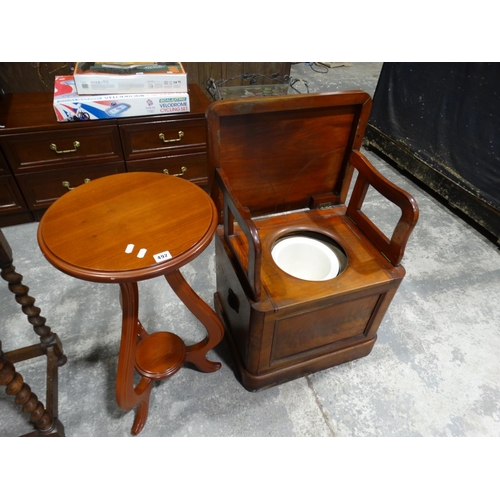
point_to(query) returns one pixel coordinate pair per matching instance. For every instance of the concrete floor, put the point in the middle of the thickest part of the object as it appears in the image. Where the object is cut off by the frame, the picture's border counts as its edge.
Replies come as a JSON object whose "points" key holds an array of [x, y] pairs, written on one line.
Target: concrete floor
{"points": [[434, 370]]}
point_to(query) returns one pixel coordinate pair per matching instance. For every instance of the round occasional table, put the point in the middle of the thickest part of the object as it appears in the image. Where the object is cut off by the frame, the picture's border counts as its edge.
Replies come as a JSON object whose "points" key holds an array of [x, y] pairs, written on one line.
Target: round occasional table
{"points": [[129, 227]]}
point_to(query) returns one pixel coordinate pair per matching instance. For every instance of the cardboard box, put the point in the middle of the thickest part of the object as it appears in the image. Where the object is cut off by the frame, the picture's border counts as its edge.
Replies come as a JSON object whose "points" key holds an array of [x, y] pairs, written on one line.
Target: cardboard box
{"points": [[70, 106], [129, 78]]}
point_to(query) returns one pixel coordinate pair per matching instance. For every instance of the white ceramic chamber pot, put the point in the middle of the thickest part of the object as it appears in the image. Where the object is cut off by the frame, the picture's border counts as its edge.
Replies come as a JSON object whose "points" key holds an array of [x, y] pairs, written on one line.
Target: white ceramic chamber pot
{"points": [[306, 258]]}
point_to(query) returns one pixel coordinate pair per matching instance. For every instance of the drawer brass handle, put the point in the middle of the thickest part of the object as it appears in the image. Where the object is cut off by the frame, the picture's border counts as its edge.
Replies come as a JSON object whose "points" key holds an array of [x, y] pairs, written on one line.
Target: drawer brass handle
{"points": [[76, 145], [162, 137], [67, 185], [183, 171]]}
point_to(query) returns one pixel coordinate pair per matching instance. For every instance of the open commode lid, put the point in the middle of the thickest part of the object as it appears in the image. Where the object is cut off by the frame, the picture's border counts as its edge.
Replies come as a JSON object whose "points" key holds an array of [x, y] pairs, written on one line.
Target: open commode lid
{"points": [[306, 258]]}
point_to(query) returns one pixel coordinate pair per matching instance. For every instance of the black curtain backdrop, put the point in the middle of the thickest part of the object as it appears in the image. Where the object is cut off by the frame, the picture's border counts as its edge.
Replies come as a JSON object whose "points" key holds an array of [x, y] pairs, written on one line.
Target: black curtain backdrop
{"points": [[448, 116]]}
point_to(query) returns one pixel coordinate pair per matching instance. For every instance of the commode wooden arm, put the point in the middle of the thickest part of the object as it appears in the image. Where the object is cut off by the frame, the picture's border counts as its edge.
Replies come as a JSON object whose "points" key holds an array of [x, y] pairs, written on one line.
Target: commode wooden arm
{"points": [[393, 249], [233, 210]]}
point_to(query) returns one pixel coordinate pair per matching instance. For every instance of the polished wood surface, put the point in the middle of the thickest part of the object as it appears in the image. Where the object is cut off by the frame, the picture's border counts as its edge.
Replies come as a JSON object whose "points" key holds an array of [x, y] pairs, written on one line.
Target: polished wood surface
{"points": [[131, 227], [33, 173], [291, 154], [392, 248], [44, 417], [32, 152], [86, 232], [191, 166], [34, 111], [283, 166], [13, 208], [12, 205]]}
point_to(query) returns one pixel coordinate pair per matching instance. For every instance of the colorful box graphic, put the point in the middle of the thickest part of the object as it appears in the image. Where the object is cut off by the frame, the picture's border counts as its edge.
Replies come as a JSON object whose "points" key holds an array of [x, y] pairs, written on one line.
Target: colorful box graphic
{"points": [[129, 78], [71, 106]]}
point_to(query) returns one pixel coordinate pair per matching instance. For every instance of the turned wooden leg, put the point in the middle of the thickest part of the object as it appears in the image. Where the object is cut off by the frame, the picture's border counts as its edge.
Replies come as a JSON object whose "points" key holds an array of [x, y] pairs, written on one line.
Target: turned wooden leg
{"points": [[196, 353], [41, 417], [50, 346], [48, 338], [128, 396]]}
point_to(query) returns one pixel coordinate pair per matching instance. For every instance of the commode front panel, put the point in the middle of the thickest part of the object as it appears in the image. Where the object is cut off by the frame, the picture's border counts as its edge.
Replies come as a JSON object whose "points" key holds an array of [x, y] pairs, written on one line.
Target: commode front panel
{"points": [[324, 330]]}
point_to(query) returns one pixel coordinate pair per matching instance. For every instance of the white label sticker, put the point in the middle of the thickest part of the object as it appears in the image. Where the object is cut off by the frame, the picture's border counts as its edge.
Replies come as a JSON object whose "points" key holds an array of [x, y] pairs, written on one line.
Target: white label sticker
{"points": [[142, 253], [130, 248], [160, 257]]}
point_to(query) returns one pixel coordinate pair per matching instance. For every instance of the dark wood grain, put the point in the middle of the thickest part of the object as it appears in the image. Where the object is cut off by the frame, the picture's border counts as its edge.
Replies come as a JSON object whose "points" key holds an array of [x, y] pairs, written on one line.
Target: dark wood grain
{"points": [[44, 417], [32, 173], [283, 166], [25, 77], [112, 230]]}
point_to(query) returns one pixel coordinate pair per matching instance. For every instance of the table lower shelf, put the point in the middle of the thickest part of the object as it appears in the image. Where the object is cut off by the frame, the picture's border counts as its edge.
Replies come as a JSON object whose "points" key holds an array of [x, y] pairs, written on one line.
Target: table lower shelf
{"points": [[160, 355]]}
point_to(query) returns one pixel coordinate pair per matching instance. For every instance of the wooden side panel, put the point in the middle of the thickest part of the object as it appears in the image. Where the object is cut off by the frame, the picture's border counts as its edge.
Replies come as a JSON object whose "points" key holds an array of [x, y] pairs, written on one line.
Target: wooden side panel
{"points": [[280, 153], [31, 77], [326, 327], [236, 308], [274, 167]]}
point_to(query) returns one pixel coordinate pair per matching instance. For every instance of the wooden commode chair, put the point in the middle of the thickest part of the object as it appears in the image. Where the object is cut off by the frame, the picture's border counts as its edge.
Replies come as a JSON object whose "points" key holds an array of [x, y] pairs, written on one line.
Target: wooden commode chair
{"points": [[303, 281]]}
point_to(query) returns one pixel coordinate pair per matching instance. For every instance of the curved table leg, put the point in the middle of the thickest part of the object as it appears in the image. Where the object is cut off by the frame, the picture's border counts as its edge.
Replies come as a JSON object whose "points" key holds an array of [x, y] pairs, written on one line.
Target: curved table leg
{"points": [[196, 353], [128, 396]]}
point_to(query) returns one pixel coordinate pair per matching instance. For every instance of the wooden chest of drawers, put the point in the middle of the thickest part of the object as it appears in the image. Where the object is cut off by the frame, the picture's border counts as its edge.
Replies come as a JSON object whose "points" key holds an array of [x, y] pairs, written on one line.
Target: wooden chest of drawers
{"points": [[176, 147], [13, 208], [41, 159]]}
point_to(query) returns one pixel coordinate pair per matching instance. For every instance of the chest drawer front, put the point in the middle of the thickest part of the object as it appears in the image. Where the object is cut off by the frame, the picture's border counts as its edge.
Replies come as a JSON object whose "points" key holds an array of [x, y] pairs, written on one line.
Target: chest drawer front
{"points": [[160, 138], [192, 167], [62, 147], [41, 189], [4, 169], [11, 199]]}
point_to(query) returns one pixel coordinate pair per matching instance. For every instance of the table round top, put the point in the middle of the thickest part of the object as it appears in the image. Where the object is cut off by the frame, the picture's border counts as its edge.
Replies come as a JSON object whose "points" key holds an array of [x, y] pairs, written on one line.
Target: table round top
{"points": [[127, 227]]}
